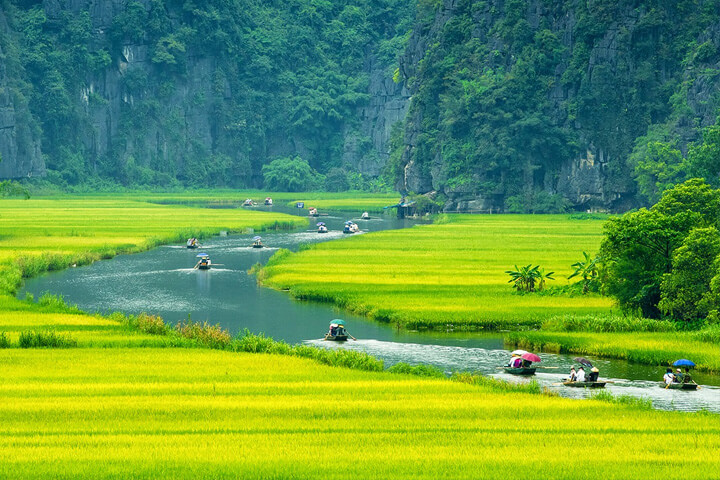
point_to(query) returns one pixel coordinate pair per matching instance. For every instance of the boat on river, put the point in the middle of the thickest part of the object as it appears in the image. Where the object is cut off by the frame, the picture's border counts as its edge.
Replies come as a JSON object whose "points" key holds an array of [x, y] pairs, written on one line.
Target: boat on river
{"points": [[257, 242], [365, 216], [192, 243], [680, 386], [204, 263], [322, 228], [570, 383], [268, 201], [313, 212], [336, 338], [520, 370]]}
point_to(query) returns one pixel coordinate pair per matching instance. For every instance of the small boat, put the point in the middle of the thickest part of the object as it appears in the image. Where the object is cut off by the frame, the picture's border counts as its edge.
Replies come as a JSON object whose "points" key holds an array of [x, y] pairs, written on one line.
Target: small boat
{"points": [[322, 228], [521, 370], [365, 216], [569, 383], [192, 243], [248, 203], [268, 201], [680, 386], [204, 263], [351, 227], [336, 338], [313, 212], [257, 242]]}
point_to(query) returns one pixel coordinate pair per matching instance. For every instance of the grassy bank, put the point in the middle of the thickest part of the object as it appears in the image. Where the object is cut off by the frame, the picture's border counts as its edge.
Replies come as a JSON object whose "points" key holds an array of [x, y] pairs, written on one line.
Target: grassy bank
{"points": [[178, 413], [450, 273]]}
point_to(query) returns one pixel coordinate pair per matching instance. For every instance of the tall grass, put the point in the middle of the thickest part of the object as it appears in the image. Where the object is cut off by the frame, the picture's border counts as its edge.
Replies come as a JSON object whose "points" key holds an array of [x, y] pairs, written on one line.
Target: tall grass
{"points": [[32, 339], [606, 323]]}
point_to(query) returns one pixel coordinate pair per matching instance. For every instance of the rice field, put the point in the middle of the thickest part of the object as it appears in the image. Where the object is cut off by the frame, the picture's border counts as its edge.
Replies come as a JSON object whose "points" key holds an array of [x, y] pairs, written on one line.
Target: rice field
{"points": [[449, 274], [176, 413]]}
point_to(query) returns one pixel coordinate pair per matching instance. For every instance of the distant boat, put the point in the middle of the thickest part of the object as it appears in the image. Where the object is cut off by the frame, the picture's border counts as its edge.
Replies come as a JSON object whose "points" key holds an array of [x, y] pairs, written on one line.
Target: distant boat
{"points": [[257, 242], [322, 228], [192, 243], [268, 201], [365, 216], [313, 212], [248, 203], [521, 370]]}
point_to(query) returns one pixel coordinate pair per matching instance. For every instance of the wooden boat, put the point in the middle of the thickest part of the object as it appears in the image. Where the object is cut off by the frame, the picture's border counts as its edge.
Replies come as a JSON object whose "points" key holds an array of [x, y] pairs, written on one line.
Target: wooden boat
{"points": [[569, 383], [257, 245], [204, 264], [336, 338], [194, 245], [521, 370], [680, 386]]}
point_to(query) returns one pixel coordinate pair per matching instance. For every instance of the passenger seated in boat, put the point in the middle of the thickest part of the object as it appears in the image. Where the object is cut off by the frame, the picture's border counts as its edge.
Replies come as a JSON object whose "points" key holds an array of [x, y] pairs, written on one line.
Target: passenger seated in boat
{"points": [[593, 376], [526, 363], [333, 329], [516, 362], [573, 374], [580, 377], [686, 376], [668, 378], [678, 376]]}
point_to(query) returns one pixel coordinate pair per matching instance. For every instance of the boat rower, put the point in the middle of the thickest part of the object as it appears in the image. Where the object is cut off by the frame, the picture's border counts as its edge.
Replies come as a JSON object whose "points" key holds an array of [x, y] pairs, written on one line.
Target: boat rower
{"points": [[594, 374]]}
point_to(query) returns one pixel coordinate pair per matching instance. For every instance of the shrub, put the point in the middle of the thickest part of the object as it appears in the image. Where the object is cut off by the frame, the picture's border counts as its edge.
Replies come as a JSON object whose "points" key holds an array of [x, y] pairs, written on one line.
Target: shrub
{"points": [[31, 339], [4, 340], [212, 336], [152, 324]]}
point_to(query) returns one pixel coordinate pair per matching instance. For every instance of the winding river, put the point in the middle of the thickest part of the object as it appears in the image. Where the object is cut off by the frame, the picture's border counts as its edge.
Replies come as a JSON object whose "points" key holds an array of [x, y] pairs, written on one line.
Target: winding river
{"points": [[163, 281]]}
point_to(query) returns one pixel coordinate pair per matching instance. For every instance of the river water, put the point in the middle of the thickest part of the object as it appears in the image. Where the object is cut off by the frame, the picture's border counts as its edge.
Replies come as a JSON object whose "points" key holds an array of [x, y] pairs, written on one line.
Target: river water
{"points": [[163, 281]]}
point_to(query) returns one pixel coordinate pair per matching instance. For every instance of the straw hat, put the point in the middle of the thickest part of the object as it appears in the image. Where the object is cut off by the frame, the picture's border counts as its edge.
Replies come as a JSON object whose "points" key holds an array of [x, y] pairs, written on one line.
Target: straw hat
{"points": [[594, 369]]}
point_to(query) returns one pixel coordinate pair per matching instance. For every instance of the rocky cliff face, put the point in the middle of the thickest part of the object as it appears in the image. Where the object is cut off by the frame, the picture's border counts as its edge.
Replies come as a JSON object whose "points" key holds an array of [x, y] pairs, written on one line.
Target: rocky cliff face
{"points": [[19, 140], [606, 75], [142, 121]]}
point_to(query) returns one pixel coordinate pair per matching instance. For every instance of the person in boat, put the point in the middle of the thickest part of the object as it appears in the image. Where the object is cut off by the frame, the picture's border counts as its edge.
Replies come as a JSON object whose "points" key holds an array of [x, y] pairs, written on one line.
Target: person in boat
{"points": [[580, 377], [333, 329], [526, 363], [668, 378], [686, 376], [573, 374], [594, 374], [678, 376], [516, 362]]}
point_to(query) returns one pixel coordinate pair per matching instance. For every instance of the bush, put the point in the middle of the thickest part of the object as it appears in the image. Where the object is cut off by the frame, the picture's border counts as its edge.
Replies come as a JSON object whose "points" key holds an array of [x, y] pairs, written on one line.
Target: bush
{"points": [[290, 175], [4, 340], [152, 324], [31, 339], [212, 336]]}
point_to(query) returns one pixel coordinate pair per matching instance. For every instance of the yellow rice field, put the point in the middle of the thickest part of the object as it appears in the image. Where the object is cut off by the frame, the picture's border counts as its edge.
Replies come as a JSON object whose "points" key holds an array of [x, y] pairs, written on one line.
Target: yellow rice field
{"points": [[176, 413]]}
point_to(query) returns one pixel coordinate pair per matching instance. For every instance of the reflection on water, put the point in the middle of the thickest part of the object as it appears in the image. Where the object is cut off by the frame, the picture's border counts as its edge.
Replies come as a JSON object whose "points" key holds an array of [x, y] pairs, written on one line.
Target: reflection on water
{"points": [[163, 281]]}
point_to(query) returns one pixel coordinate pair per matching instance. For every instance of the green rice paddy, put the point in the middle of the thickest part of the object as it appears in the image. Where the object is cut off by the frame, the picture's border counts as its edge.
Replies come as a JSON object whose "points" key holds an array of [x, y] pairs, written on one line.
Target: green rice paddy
{"points": [[125, 404], [177, 413], [446, 275]]}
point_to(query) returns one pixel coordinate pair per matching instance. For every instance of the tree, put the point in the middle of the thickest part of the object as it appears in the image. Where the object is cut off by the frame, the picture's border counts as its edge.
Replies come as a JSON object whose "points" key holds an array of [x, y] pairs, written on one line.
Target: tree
{"points": [[586, 269], [638, 247], [529, 278], [685, 291], [290, 175]]}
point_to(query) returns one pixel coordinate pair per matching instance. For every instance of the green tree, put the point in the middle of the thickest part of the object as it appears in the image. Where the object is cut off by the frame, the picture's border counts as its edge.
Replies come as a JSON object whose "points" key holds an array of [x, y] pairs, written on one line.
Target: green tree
{"points": [[637, 248], [685, 291], [290, 175], [660, 167], [587, 269]]}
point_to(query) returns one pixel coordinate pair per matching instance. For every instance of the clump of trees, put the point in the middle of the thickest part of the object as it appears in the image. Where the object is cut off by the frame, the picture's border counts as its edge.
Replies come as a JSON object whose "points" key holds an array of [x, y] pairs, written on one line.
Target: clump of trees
{"points": [[528, 278], [665, 261]]}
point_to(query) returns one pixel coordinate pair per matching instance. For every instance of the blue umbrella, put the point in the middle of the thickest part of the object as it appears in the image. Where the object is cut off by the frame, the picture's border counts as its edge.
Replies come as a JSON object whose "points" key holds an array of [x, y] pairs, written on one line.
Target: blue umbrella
{"points": [[256, 238], [319, 224], [683, 363], [201, 255]]}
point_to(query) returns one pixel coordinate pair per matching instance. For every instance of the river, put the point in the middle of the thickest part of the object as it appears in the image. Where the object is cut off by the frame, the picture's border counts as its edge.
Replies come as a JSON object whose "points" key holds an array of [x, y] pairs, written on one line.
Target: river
{"points": [[163, 281]]}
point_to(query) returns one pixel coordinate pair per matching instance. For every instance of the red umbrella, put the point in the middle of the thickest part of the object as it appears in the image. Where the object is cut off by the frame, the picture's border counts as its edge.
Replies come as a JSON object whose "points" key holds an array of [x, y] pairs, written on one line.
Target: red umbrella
{"points": [[531, 357]]}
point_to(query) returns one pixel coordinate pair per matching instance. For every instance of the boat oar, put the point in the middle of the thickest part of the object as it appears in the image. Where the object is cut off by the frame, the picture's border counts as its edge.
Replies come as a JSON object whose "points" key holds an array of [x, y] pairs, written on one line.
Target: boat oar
{"points": [[352, 337], [547, 367]]}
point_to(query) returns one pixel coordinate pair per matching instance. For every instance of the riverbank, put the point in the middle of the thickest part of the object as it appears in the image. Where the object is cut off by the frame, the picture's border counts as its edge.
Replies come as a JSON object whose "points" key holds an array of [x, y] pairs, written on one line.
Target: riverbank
{"points": [[124, 398], [451, 275]]}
